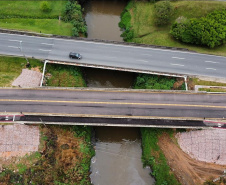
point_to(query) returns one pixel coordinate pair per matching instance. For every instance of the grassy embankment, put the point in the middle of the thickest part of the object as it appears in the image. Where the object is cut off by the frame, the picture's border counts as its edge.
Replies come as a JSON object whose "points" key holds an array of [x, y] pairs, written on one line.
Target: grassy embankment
{"points": [[144, 31], [28, 16], [63, 158], [11, 68], [153, 156], [197, 81]]}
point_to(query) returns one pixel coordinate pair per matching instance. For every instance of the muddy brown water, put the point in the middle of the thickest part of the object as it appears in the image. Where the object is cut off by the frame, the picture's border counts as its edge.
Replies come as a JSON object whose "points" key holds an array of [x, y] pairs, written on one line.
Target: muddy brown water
{"points": [[118, 150], [100, 78], [118, 158], [102, 18]]}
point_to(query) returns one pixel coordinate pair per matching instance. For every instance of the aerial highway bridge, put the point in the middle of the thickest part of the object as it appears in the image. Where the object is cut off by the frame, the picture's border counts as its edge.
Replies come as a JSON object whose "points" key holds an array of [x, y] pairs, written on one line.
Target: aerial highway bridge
{"points": [[112, 107]]}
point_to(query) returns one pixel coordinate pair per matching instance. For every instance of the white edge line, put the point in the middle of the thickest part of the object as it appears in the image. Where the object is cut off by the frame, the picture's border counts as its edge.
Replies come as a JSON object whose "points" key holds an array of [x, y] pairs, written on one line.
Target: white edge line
{"points": [[47, 44], [212, 62], [142, 61], [45, 50], [168, 50], [210, 68], [177, 64], [178, 58], [13, 47], [15, 40]]}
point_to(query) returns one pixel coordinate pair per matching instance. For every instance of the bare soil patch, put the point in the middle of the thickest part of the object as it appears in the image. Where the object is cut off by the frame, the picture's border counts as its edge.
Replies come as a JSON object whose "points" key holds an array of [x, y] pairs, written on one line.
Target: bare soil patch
{"points": [[188, 170]]}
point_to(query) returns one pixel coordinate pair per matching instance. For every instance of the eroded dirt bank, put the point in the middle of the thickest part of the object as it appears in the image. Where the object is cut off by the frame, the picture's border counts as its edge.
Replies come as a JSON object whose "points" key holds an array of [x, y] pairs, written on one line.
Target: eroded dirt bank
{"points": [[188, 170]]}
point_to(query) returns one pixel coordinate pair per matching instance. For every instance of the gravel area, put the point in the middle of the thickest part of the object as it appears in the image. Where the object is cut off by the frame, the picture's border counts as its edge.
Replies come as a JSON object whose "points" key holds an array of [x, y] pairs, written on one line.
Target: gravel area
{"points": [[28, 78], [205, 145], [18, 140]]}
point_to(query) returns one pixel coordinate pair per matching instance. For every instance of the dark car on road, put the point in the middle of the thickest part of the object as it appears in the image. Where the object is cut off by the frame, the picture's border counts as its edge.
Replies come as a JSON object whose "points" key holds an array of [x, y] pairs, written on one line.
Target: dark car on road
{"points": [[75, 55]]}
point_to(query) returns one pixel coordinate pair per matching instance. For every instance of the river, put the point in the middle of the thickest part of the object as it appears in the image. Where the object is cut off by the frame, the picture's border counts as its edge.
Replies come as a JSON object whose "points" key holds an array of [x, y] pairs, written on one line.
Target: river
{"points": [[102, 18], [118, 158], [118, 150]]}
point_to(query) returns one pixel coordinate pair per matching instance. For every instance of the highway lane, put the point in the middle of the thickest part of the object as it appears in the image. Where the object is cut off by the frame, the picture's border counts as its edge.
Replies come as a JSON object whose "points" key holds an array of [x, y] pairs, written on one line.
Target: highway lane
{"points": [[120, 56], [113, 103]]}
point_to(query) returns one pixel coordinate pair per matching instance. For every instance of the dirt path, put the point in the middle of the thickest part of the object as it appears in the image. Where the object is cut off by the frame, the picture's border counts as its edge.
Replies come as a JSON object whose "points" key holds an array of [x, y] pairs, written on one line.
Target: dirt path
{"points": [[188, 170]]}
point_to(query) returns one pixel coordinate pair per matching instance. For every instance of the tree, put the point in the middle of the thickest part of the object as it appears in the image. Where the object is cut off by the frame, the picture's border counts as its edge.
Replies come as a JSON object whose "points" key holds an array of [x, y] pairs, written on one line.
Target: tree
{"points": [[162, 13]]}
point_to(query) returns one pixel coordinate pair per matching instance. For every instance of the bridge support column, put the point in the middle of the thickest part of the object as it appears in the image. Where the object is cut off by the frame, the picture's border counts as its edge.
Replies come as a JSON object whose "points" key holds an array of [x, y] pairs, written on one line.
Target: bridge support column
{"points": [[43, 73], [186, 84]]}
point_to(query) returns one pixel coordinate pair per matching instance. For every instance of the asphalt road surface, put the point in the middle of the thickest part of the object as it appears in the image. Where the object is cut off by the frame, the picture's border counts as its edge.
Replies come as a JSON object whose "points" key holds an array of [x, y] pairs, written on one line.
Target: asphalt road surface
{"points": [[113, 103], [113, 55]]}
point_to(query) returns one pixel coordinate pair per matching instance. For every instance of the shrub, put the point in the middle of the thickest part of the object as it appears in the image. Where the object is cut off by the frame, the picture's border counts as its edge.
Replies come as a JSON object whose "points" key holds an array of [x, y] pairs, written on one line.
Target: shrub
{"points": [[128, 34], [219, 16], [45, 7], [145, 81], [208, 31], [125, 23], [162, 13], [202, 31]]}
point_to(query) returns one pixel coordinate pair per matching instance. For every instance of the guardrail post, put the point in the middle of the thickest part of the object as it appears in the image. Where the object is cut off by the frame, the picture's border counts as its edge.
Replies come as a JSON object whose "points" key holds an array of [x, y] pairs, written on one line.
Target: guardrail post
{"points": [[43, 73]]}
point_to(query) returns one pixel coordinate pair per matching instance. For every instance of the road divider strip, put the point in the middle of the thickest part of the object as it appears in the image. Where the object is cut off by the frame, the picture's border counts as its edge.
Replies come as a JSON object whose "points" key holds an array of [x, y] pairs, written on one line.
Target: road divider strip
{"points": [[113, 103]]}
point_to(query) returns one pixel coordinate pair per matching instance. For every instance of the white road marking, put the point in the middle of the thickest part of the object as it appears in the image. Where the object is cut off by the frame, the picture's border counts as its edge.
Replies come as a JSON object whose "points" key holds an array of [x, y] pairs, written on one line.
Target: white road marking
{"points": [[45, 50], [212, 62], [13, 47], [210, 68], [117, 45], [47, 44], [178, 58], [142, 61], [177, 64], [16, 40]]}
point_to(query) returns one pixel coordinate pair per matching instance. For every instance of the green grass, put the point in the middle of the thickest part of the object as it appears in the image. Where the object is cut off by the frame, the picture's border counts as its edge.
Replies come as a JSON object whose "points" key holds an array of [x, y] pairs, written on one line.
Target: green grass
{"points": [[27, 16], [153, 156], [147, 33], [196, 81], [11, 67], [65, 76], [212, 89], [48, 26], [30, 9]]}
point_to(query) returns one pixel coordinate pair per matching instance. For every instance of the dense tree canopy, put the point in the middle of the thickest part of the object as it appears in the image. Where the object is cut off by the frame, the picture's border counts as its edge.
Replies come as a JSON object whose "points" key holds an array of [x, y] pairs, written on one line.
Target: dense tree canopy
{"points": [[208, 31]]}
